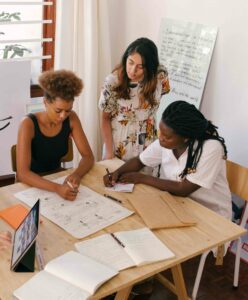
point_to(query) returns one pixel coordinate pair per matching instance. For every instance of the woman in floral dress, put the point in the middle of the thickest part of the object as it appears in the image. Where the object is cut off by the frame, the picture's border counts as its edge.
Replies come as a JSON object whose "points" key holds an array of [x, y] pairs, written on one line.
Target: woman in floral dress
{"points": [[129, 101]]}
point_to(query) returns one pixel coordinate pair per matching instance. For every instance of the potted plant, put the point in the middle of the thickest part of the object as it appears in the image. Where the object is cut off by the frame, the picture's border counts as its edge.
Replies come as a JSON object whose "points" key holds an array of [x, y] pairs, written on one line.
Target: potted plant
{"points": [[11, 51]]}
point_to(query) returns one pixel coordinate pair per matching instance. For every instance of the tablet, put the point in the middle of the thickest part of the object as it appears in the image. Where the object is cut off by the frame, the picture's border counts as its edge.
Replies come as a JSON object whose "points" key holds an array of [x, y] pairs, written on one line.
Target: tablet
{"points": [[25, 235]]}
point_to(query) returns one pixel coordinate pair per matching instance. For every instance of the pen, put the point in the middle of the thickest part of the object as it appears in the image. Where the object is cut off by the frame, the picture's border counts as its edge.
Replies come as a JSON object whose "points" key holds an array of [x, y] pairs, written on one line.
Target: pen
{"points": [[112, 198], [109, 175], [117, 240], [71, 186]]}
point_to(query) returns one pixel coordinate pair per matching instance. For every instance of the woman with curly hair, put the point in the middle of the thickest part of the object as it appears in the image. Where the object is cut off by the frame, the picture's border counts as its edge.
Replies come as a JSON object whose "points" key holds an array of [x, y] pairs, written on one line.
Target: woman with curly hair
{"points": [[129, 101], [43, 136]]}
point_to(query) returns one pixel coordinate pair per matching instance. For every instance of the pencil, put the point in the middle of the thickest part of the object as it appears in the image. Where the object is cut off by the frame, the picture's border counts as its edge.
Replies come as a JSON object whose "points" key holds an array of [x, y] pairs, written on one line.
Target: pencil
{"points": [[112, 198], [117, 240], [71, 186]]}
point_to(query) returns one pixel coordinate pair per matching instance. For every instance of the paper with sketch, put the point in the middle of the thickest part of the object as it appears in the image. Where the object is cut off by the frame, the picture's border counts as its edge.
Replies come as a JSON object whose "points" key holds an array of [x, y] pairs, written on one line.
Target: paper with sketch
{"points": [[71, 276], [141, 247], [87, 214], [121, 187]]}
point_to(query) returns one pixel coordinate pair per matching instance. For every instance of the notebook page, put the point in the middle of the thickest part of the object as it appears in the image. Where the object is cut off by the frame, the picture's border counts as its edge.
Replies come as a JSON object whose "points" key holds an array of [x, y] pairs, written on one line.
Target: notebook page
{"points": [[44, 285], [107, 251], [143, 246], [80, 270]]}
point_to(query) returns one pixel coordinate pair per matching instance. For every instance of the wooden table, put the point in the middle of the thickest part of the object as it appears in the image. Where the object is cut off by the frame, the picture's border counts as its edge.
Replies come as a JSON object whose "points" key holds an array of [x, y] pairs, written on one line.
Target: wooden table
{"points": [[211, 230]]}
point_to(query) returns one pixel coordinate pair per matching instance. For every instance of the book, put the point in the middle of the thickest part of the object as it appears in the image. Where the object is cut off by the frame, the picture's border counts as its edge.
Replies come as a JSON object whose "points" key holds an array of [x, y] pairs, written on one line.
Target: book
{"points": [[71, 276], [125, 249], [14, 215]]}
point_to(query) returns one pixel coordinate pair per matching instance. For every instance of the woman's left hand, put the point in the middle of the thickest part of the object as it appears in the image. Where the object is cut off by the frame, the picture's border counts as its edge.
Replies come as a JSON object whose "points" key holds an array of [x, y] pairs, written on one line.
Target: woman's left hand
{"points": [[132, 177]]}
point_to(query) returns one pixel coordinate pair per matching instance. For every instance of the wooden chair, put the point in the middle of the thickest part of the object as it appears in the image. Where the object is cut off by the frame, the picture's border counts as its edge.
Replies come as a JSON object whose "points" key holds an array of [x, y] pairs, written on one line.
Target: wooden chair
{"points": [[67, 158], [237, 177]]}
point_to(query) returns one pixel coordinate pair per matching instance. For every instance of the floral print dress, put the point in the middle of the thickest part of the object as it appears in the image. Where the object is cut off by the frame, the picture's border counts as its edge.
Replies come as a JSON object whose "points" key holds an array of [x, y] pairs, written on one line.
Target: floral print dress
{"points": [[133, 125]]}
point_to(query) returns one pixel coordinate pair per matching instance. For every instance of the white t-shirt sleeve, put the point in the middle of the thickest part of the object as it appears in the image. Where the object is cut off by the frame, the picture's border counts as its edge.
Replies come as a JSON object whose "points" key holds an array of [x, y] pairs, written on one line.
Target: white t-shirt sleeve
{"points": [[152, 155], [209, 165]]}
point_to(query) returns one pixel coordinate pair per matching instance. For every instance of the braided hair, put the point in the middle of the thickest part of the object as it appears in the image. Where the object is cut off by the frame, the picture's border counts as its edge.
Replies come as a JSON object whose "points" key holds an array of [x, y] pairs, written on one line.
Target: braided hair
{"points": [[187, 121]]}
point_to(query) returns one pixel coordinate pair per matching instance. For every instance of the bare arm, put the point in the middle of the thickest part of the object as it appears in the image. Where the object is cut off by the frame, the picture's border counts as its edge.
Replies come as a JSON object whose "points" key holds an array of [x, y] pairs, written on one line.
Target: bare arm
{"points": [[179, 188], [129, 173], [107, 135], [84, 149], [24, 174], [5, 239]]}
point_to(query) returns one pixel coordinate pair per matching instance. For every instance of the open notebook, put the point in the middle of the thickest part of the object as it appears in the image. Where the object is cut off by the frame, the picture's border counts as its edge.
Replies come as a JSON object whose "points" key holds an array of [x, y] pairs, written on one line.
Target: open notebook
{"points": [[125, 249], [71, 276]]}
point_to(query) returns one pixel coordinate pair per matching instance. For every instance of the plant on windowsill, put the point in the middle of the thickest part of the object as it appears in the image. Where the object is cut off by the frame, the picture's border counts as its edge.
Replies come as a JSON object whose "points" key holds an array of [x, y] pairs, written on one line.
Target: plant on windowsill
{"points": [[11, 51]]}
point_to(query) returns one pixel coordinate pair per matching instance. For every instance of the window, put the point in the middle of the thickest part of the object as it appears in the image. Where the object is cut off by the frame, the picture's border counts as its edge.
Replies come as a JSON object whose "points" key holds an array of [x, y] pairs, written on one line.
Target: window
{"points": [[27, 30]]}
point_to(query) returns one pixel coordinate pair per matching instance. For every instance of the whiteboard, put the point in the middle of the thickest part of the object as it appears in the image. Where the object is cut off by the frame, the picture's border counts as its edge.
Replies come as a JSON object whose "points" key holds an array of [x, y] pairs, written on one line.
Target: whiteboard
{"points": [[14, 95], [185, 49]]}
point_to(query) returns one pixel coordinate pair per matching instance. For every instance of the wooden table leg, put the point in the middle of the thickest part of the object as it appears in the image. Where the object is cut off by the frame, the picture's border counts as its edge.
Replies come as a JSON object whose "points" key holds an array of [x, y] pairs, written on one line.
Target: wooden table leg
{"points": [[123, 294], [179, 282]]}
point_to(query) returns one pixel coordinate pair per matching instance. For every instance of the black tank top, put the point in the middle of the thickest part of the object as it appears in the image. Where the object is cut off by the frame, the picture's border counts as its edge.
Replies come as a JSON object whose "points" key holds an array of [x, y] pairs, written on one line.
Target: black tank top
{"points": [[46, 152]]}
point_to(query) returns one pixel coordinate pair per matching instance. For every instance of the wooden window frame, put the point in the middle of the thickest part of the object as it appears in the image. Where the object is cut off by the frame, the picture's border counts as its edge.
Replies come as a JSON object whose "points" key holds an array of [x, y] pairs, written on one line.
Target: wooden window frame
{"points": [[49, 13]]}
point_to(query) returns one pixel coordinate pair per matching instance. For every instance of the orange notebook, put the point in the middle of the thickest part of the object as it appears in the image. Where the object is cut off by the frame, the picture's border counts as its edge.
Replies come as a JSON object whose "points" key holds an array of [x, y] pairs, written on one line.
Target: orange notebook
{"points": [[14, 215]]}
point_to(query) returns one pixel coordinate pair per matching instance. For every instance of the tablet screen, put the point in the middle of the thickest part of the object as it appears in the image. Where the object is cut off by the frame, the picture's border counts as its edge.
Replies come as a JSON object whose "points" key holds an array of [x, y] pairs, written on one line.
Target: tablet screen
{"points": [[25, 234]]}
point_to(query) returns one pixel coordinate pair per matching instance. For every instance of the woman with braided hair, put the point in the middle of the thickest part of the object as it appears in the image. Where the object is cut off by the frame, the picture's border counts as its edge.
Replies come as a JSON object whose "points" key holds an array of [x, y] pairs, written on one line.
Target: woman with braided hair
{"points": [[192, 157]]}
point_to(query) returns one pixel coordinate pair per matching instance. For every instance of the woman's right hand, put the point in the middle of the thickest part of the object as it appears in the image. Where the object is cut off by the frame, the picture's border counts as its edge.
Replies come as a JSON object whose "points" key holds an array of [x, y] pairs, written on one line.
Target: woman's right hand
{"points": [[111, 179], [66, 192]]}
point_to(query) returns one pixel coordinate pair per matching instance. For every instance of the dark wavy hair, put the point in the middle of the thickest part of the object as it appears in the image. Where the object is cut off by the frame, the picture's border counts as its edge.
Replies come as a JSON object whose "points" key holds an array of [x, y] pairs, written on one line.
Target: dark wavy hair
{"points": [[187, 121], [62, 83], [149, 54]]}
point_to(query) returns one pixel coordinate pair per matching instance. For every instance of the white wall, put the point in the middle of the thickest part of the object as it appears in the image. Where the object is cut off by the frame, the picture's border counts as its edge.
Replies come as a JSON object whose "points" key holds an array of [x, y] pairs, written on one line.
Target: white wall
{"points": [[226, 92]]}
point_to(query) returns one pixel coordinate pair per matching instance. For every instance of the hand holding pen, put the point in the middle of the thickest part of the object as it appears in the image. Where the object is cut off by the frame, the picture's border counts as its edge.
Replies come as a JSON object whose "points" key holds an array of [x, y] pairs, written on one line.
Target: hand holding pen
{"points": [[66, 191], [110, 179], [74, 189]]}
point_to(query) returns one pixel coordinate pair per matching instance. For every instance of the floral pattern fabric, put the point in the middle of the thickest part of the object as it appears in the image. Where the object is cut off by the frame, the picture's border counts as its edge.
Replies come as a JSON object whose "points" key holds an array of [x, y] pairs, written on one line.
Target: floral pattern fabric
{"points": [[133, 125]]}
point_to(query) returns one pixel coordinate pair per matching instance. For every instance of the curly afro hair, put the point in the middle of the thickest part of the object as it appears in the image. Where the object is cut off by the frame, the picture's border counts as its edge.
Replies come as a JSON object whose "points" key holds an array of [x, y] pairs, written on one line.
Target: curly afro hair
{"points": [[62, 83]]}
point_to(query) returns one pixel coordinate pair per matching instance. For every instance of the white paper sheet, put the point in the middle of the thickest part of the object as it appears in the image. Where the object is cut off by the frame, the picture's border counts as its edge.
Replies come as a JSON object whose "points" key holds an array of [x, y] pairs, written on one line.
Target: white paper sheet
{"points": [[87, 214], [121, 187]]}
